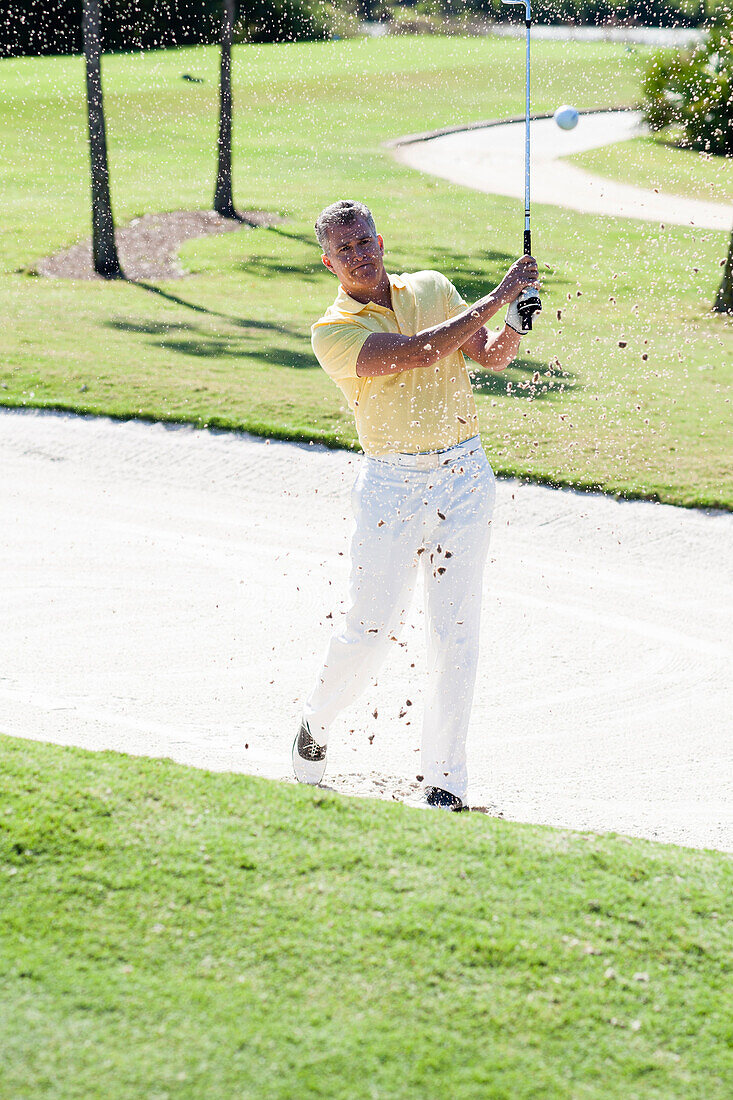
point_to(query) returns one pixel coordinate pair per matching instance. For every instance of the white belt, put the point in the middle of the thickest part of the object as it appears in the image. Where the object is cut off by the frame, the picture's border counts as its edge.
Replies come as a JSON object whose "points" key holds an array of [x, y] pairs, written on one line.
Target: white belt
{"points": [[430, 460]]}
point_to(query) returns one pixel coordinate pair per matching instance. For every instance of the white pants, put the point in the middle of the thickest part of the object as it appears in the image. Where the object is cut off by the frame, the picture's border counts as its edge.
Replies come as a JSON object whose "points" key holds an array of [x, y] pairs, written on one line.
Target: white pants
{"points": [[432, 510]]}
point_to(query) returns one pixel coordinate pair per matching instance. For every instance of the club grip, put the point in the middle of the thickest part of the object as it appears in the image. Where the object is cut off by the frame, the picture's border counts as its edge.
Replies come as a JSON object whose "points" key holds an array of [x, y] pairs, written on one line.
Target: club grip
{"points": [[527, 242]]}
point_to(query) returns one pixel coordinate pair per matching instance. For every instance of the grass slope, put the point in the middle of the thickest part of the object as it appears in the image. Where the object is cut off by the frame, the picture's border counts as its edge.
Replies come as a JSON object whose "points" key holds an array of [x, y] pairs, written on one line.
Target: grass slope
{"points": [[230, 347], [656, 162], [168, 932]]}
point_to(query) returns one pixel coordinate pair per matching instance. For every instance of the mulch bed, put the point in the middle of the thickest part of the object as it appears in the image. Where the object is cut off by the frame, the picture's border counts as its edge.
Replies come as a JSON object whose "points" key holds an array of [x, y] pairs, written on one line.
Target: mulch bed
{"points": [[148, 246]]}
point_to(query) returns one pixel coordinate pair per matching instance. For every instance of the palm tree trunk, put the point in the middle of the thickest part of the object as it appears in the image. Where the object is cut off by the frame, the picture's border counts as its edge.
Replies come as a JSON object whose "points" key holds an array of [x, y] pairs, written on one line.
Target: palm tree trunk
{"points": [[724, 300], [104, 248], [223, 198]]}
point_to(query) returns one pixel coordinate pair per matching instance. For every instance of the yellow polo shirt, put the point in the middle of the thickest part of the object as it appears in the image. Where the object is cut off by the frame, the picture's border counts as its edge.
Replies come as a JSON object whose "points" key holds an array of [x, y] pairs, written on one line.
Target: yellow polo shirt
{"points": [[423, 409]]}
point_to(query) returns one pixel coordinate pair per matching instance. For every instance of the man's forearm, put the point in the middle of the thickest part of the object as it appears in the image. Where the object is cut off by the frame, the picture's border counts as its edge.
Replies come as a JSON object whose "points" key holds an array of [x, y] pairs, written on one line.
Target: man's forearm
{"points": [[495, 350], [387, 353]]}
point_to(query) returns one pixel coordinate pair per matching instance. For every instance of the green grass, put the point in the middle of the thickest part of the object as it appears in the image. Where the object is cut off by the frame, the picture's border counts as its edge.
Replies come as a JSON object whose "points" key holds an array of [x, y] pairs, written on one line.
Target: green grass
{"points": [[230, 345], [173, 933], [657, 162]]}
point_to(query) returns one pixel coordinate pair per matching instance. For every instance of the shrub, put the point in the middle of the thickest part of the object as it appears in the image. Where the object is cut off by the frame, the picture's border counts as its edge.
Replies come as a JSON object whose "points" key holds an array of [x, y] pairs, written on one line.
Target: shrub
{"points": [[290, 20], [694, 91]]}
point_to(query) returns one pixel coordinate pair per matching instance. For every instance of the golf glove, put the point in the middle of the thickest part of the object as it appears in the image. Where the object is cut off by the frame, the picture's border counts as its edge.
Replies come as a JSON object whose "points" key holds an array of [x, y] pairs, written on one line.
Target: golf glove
{"points": [[513, 319], [520, 319]]}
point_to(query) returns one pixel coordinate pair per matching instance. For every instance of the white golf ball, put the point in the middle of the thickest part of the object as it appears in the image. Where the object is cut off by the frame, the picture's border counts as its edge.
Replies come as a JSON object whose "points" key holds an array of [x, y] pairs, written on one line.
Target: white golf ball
{"points": [[566, 117]]}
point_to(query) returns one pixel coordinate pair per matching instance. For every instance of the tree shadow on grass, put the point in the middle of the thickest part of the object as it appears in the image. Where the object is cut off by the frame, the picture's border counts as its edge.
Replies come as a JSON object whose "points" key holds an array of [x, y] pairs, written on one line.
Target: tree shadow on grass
{"points": [[269, 267], [215, 347], [524, 379], [309, 240], [238, 322], [202, 343], [190, 340], [549, 385], [162, 328], [151, 289], [473, 274]]}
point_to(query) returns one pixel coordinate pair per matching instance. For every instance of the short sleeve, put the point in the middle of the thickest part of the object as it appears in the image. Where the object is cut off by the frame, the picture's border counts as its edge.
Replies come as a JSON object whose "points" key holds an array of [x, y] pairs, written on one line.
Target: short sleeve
{"points": [[337, 346], [455, 303]]}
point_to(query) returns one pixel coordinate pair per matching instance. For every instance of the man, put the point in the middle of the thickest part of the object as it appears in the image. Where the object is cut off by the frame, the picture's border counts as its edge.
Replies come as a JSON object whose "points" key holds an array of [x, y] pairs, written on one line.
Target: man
{"points": [[395, 346]]}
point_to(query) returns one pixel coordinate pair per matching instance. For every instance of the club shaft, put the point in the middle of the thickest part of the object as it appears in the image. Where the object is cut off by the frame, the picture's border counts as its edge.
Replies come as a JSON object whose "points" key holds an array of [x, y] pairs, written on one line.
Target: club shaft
{"points": [[527, 233]]}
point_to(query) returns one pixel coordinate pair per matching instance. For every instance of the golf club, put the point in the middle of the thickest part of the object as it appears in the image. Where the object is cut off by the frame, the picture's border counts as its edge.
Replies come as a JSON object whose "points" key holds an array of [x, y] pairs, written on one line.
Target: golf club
{"points": [[529, 300]]}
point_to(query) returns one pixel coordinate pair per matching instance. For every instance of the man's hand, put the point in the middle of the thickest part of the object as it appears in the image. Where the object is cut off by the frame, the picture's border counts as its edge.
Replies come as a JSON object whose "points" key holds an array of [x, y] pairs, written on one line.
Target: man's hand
{"points": [[391, 352], [521, 274]]}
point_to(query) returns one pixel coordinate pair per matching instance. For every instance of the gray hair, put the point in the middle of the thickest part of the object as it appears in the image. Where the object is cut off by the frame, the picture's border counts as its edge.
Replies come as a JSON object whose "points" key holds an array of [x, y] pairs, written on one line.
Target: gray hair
{"points": [[343, 212]]}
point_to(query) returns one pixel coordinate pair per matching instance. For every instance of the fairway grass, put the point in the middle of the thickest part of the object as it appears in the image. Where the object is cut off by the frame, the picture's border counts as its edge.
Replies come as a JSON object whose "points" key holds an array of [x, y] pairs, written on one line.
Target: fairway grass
{"points": [[624, 385], [657, 163], [173, 933]]}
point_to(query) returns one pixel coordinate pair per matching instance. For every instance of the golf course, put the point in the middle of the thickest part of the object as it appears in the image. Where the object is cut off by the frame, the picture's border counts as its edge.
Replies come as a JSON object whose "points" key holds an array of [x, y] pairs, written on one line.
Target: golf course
{"points": [[170, 932], [622, 387]]}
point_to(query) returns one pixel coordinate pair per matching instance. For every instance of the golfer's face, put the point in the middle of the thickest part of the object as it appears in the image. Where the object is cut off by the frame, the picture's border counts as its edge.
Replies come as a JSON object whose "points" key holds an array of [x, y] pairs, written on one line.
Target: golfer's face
{"points": [[355, 256]]}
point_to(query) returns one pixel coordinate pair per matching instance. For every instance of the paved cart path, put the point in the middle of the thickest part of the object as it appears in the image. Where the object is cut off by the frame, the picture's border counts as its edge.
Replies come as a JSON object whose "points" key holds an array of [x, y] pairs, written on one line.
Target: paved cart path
{"points": [[167, 591], [491, 159]]}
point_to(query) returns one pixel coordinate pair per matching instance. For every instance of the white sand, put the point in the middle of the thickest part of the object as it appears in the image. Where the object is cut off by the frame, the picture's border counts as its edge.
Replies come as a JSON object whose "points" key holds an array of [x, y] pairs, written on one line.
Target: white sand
{"points": [[491, 159], [166, 591]]}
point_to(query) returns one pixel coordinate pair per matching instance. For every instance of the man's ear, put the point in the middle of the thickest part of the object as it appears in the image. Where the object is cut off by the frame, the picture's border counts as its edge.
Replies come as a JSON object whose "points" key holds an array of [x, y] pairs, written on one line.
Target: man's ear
{"points": [[327, 263], [380, 240]]}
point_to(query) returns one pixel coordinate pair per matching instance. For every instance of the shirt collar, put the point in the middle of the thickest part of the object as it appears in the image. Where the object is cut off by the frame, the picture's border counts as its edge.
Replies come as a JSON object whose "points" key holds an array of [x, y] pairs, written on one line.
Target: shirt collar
{"points": [[346, 304]]}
